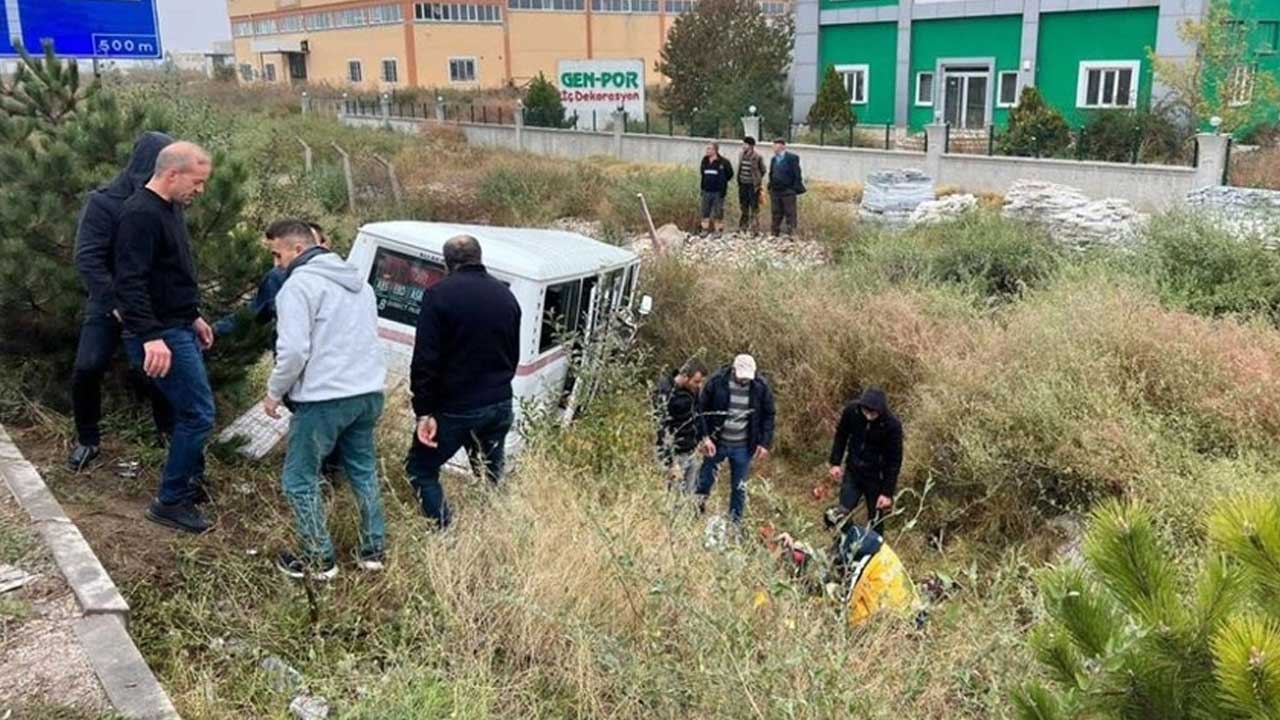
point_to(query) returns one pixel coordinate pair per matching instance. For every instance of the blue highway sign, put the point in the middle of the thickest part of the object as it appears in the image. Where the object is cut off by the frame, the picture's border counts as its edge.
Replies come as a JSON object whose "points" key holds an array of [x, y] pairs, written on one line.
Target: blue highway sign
{"points": [[108, 29]]}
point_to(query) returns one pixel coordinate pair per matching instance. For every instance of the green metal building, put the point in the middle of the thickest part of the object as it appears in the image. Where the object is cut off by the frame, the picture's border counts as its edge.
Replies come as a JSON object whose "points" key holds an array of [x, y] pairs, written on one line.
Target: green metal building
{"points": [[911, 62]]}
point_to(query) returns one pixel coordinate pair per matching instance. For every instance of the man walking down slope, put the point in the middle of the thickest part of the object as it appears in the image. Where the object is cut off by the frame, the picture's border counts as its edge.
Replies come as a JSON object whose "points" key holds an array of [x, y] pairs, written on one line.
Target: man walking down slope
{"points": [[331, 366]]}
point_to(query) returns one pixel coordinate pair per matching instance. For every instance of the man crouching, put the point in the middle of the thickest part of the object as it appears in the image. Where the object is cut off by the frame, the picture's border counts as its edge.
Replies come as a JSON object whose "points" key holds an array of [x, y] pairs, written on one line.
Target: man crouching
{"points": [[331, 365]]}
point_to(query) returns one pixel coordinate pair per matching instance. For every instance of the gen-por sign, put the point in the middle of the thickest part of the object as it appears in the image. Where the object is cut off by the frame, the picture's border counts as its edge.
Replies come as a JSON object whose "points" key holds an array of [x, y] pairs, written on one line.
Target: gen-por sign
{"points": [[601, 86]]}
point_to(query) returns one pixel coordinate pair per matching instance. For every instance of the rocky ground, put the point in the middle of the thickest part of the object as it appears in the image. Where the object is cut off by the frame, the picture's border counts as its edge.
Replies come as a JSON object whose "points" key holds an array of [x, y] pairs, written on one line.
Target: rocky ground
{"points": [[736, 249]]}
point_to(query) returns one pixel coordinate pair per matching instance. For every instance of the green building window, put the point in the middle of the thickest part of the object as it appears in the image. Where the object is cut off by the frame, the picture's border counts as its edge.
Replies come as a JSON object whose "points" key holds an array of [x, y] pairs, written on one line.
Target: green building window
{"points": [[855, 82], [1107, 84], [1008, 87], [924, 89]]}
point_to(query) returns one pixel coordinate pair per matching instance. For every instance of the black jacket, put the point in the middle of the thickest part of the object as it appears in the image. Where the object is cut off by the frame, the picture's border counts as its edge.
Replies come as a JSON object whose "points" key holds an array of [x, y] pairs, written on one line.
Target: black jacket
{"points": [[870, 451], [713, 408], [784, 174], [95, 258], [155, 281], [716, 174], [467, 345], [678, 418]]}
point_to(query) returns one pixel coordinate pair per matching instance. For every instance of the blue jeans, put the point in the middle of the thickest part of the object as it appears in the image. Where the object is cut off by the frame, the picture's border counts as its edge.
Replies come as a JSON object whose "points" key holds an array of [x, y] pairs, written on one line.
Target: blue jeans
{"points": [[483, 432], [186, 387], [739, 457], [316, 430]]}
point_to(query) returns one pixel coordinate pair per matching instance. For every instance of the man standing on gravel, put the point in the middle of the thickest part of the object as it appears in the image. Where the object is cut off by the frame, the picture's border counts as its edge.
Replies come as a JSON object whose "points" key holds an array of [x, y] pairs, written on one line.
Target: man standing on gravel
{"points": [[331, 366], [159, 302], [735, 423], [464, 357], [716, 171], [750, 183], [866, 456], [785, 186]]}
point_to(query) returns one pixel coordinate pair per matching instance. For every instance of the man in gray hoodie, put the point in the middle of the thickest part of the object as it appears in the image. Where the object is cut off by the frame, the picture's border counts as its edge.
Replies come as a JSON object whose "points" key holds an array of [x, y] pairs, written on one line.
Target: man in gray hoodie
{"points": [[331, 366]]}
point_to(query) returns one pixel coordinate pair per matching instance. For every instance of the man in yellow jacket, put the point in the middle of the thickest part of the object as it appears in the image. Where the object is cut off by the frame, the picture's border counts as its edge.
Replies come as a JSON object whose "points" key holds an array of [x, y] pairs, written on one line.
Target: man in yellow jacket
{"points": [[871, 577]]}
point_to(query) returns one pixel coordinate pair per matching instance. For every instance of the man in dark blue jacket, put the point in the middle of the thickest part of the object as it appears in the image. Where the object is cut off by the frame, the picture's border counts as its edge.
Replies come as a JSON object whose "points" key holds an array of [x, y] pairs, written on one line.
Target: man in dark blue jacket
{"points": [[735, 423], [100, 332], [866, 456], [716, 172], [785, 185], [465, 354]]}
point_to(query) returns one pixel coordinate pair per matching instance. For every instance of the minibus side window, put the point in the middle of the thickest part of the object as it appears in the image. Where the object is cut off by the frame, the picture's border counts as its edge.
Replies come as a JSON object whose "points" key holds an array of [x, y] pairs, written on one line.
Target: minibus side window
{"points": [[398, 282], [560, 313]]}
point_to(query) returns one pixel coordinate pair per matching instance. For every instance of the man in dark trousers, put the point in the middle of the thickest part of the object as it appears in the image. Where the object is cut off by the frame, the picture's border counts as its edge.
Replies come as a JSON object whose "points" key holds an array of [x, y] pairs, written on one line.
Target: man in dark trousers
{"points": [[716, 172], [159, 301], [735, 423], [464, 357], [785, 186], [751, 175], [100, 332], [867, 456], [678, 431]]}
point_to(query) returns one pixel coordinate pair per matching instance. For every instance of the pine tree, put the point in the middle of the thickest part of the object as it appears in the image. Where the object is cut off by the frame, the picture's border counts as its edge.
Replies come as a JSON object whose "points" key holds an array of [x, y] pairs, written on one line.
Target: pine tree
{"points": [[1129, 635], [832, 108], [1035, 128], [542, 106]]}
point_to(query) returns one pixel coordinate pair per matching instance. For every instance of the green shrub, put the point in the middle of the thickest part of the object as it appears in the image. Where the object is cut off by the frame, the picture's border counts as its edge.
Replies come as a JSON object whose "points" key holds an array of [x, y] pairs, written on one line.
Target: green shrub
{"points": [[1114, 135], [831, 108], [542, 106], [1035, 128], [1130, 634], [1202, 267]]}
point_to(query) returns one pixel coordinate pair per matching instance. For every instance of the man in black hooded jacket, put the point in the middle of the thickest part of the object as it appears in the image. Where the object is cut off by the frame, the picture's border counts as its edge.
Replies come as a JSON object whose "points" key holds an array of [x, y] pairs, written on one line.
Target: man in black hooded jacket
{"points": [[867, 456], [100, 332]]}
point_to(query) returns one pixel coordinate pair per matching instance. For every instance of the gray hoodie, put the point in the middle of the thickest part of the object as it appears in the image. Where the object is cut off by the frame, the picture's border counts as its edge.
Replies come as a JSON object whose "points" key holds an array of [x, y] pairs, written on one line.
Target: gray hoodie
{"points": [[327, 343]]}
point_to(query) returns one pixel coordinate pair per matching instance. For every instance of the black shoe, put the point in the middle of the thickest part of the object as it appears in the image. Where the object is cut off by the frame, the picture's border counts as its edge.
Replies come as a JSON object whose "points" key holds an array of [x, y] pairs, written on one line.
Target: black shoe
{"points": [[81, 457], [297, 568], [372, 561], [200, 494], [182, 516]]}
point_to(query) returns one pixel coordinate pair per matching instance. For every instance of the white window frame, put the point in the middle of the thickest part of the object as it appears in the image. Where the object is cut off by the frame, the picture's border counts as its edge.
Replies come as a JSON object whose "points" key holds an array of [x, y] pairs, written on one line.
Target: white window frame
{"points": [[382, 70], [269, 76], [1082, 83], [1017, 88], [843, 70], [932, 82], [1239, 99], [359, 65], [475, 69]]}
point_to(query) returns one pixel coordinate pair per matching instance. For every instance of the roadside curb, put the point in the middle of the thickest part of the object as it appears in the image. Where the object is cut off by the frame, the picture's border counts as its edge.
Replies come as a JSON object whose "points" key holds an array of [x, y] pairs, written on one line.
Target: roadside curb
{"points": [[128, 681]]}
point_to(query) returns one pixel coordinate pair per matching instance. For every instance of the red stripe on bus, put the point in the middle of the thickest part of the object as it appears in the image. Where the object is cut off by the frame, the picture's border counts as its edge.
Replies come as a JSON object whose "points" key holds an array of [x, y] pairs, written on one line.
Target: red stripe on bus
{"points": [[522, 370]]}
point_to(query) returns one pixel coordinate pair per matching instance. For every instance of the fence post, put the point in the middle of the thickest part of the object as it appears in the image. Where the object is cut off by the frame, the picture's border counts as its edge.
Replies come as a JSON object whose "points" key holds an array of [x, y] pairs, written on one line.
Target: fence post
{"points": [[850, 134], [1214, 156], [751, 126], [386, 110], [594, 126], [619, 126], [519, 120], [946, 138], [1080, 144], [935, 143], [346, 171], [391, 175], [822, 134], [306, 155], [306, 103], [991, 140], [440, 110], [671, 126], [346, 109], [646, 122], [887, 127], [1137, 145]]}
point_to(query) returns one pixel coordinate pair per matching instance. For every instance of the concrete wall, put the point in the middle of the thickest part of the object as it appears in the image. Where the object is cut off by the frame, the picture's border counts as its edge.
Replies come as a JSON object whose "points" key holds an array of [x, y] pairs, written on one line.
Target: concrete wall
{"points": [[1149, 187]]}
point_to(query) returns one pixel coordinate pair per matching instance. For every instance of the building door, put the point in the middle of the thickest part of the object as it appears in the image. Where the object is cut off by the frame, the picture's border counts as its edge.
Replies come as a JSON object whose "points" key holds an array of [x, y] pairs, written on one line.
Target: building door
{"points": [[965, 100], [297, 66]]}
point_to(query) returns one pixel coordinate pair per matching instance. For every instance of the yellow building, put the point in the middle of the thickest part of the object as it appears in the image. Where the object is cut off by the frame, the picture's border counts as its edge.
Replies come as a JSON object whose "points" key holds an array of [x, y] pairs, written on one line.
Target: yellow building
{"points": [[378, 44]]}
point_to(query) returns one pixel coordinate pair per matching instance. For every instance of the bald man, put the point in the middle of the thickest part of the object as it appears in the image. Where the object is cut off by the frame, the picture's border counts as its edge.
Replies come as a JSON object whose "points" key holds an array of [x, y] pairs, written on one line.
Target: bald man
{"points": [[159, 302]]}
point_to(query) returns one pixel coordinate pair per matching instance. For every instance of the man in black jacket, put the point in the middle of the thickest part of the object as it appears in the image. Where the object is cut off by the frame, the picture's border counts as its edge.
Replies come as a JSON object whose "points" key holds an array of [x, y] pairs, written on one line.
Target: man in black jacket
{"points": [[100, 332], [867, 456], [464, 357], [159, 302], [735, 423], [716, 172], [785, 185], [678, 434]]}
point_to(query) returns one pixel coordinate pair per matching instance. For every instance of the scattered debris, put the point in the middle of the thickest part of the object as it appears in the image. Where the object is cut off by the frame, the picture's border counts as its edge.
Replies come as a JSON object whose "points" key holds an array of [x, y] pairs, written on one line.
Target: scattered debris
{"points": [[284, 679], [593, 229], [1244, 212], [1071, 527], [259, 432], [1072, 218], [736, 249], [892, 195], [716, 536], [12, 578], [307, 707], [127, 469], [234, 647], [944, 209]]}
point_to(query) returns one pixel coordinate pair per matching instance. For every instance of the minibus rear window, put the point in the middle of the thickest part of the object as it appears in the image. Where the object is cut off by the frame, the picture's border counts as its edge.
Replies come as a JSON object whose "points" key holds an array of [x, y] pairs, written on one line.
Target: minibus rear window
{"points": [[398, 282]]}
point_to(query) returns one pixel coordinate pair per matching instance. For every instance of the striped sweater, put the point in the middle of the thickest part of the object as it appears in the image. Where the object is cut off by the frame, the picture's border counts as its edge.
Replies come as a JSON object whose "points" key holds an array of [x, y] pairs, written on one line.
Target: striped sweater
{"points": [[750, 168]]}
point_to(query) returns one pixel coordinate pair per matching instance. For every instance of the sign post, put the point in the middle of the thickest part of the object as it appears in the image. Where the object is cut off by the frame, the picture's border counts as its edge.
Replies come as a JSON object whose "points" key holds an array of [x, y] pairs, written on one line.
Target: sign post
{"points": [[90, 29], [599, 87]]}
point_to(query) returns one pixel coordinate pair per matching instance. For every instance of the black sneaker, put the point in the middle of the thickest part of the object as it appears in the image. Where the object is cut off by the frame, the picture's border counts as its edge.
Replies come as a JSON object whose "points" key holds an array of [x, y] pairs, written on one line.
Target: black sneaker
{"points": [[297, 568], [81, 457], [184, 516], [200, 494], [372, 561]]}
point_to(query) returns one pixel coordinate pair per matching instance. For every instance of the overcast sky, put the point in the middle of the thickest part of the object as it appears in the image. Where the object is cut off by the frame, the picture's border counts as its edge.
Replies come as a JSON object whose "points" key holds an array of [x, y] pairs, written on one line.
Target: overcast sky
{"points": [[193, 24]]}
